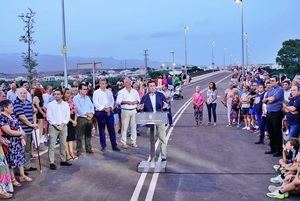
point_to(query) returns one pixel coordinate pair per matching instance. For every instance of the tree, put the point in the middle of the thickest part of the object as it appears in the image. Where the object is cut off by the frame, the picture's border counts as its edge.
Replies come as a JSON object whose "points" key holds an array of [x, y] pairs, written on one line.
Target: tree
{"points": [[29, 61], [289, 57]]}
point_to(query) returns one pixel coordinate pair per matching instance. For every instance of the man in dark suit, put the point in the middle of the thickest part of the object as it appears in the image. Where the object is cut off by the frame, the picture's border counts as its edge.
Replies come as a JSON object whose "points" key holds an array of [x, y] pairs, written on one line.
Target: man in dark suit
{"points": [[155, 101]]}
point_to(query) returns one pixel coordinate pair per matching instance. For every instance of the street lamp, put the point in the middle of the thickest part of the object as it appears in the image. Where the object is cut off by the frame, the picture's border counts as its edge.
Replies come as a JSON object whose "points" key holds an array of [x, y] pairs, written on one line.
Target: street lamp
{"points": [[213, 55], [186, 28], [242, 22], [247, 51], [64, 47]]}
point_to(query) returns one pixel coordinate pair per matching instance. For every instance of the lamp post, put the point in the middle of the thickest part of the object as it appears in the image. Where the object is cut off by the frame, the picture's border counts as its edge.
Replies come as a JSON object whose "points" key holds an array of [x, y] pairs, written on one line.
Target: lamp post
{"points": [[242, 23], [173, 60], [213, 55], [247, 51], [186, 28], [146, 58], [64, 47]]}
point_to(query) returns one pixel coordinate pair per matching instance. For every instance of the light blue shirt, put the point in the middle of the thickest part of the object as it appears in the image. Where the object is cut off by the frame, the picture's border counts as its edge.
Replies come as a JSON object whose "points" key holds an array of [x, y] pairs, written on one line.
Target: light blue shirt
{"points": [[83, 105]]}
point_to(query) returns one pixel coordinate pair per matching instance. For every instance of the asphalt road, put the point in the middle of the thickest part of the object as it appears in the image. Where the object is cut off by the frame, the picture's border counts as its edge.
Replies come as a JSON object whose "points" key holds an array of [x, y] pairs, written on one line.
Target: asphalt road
{"points": [[206, 163]]}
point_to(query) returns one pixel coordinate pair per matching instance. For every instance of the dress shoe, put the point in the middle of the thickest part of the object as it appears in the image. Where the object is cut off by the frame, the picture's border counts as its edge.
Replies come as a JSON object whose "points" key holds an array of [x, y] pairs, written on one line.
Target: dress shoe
{"points": [[52, 166], [269, 152], [31, 169], [116, 149], [163, 159], [277, 154], [65, 163]]}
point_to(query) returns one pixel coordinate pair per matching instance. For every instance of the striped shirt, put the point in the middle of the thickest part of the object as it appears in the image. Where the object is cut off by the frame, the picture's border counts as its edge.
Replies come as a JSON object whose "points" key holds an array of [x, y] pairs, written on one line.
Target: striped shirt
{"points": [[24, 108]]}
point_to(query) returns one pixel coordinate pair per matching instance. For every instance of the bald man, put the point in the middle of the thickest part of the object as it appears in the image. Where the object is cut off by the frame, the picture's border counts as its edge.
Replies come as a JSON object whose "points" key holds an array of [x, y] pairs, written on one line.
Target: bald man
{"points": [[128, 98], [23, 110]]}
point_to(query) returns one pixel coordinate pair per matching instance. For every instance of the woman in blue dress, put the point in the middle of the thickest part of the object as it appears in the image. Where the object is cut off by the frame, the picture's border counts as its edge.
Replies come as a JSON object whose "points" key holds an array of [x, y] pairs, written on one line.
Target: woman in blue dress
{"points": [[12, 131]]}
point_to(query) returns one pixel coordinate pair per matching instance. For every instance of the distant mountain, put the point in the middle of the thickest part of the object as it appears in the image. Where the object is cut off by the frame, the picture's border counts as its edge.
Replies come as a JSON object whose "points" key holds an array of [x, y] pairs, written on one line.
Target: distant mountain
{"points": [[12, 63]]}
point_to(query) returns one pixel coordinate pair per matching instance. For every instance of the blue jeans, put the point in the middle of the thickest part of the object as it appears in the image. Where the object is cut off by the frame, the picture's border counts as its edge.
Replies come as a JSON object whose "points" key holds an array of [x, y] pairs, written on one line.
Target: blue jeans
{"points": [[258, 118], [262, 127], [103, 120], [212, 108], [294, 130]]}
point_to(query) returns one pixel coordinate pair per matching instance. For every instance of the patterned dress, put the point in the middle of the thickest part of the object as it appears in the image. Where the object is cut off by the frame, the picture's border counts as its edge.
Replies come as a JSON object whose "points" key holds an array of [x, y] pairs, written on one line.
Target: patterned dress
{"points": [[15, 156], [5, 179]]}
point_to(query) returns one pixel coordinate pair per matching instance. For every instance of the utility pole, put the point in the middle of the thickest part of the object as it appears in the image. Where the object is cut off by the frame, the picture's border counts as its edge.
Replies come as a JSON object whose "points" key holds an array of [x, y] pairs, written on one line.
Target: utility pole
{"points": [[173, 60], [64, 47], [146, 58]]}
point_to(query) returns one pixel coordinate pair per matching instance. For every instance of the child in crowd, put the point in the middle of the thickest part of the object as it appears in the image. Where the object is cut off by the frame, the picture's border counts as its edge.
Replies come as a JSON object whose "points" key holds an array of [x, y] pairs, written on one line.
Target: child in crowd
{"points": [[252, 111], [290, 184], [290, 150], [260, 115], [245, 105], [235, 106]]}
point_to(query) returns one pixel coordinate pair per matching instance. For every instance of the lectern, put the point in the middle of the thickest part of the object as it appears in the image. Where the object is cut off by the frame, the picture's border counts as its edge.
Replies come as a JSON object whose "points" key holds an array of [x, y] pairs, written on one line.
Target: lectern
{"points": [[152, 119]]}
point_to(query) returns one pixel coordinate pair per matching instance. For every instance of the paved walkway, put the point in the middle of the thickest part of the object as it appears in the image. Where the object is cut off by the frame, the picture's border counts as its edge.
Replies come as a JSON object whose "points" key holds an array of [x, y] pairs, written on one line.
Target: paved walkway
{"points": [[207, 163]]}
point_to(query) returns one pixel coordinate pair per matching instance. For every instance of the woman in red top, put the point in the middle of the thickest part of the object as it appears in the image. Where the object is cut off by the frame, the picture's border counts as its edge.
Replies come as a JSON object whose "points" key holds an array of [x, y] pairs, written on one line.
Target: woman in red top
{"points": [[71, 137], [198, 101]]}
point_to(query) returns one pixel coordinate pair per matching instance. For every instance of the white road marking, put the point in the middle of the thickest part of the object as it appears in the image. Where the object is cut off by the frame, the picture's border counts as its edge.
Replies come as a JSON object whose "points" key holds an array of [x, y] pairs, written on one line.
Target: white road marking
{"points": [[154, 178], [153, 182]]}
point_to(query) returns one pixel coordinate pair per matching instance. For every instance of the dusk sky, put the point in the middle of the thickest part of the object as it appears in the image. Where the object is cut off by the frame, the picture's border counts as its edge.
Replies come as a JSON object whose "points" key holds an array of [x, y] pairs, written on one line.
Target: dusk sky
{"points": [[122, 29]]}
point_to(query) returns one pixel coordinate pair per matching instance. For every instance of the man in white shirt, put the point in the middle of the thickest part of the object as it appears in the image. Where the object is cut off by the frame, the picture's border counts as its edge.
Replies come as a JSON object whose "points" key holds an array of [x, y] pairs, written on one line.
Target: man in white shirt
{"points": [[12, 93], [128, 98], [58, 116], [104, 103]]}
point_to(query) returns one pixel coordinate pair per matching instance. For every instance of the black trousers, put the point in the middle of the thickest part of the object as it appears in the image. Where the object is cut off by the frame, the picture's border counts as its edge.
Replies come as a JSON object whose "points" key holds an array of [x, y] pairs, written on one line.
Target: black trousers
{"points": [[274, 125]]}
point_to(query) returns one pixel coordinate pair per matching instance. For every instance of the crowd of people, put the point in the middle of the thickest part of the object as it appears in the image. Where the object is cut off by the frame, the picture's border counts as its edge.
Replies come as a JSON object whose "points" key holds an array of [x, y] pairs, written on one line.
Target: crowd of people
{"points": [[270, 107], [36, 115]]}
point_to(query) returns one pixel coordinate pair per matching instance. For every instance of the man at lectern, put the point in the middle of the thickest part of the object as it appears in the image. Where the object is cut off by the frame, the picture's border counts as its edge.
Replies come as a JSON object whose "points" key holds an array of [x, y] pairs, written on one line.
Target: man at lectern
{"points": [[155, 101]]}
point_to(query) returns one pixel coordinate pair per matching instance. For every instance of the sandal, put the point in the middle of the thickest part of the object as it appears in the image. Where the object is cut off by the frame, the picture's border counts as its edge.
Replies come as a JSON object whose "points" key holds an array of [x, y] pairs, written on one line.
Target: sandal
{"points": [[25, 178], [15, 183], [5, 195], [74, 157]]}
